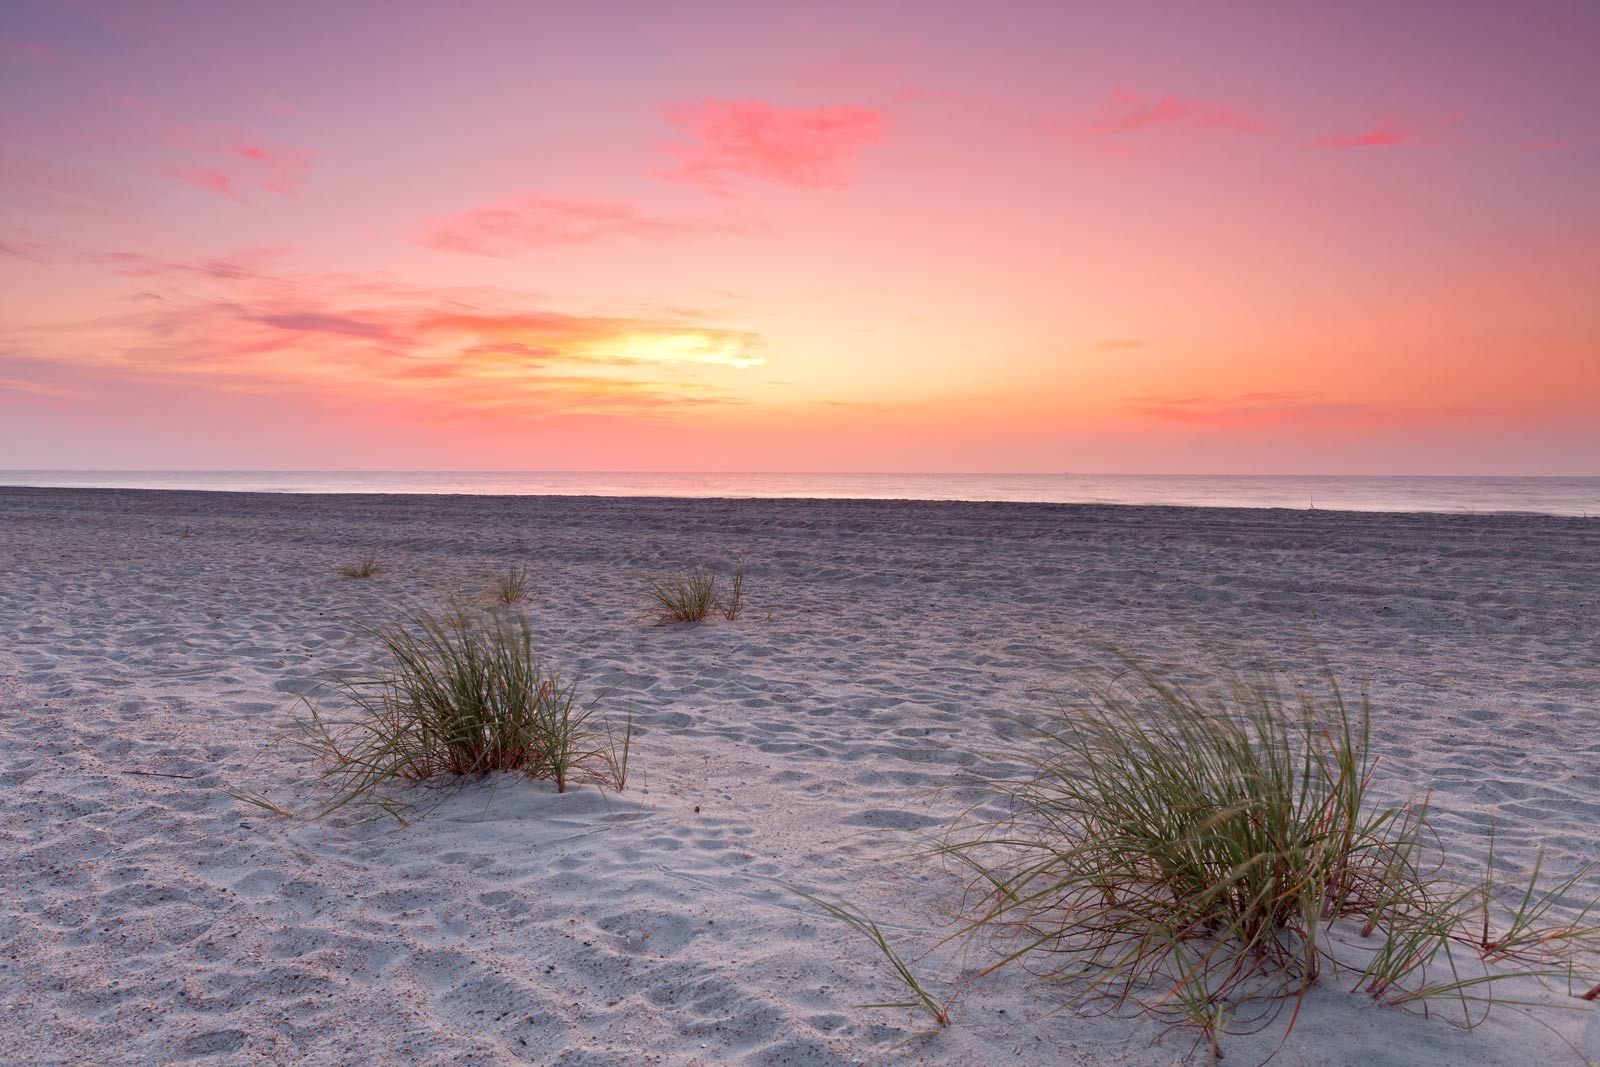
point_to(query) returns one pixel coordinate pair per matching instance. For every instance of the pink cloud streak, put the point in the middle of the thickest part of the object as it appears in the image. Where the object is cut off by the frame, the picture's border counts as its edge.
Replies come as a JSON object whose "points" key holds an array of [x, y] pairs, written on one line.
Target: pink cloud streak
{"points": [[532, 222], [751, 140], [1382, 134], [1132, 111], [205, 178], [1133, 124]]}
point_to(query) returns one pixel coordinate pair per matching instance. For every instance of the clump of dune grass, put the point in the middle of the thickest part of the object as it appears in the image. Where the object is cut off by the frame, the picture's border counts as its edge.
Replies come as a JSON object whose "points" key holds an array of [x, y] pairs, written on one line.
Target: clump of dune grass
{"points": [[1210, 855], [512, 586], [692, 597], [368, 566], [453, 697], [683, 598]]}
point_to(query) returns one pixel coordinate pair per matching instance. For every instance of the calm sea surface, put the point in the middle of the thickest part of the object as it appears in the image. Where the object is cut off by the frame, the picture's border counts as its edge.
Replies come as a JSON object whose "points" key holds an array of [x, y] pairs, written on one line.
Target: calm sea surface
{"points": [[1551, 496]]}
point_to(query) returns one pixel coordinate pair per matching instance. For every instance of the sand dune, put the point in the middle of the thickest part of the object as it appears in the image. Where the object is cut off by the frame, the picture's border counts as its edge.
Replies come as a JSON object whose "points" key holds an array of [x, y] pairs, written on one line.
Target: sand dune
{"points": [[151, 645]]}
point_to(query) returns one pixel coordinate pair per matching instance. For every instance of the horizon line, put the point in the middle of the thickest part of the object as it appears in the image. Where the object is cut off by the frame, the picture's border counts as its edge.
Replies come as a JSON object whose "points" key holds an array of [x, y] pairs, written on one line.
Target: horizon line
{"points": [[764, 473]]}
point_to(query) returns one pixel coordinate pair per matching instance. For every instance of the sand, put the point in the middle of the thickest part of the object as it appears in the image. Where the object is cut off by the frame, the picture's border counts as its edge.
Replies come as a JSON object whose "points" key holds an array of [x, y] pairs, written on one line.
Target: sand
{"points": [[152, 643]]}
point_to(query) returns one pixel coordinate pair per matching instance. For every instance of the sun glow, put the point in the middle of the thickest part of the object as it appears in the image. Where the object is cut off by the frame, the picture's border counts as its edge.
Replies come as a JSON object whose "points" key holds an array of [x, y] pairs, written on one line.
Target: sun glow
{"points": [[690, 346]]}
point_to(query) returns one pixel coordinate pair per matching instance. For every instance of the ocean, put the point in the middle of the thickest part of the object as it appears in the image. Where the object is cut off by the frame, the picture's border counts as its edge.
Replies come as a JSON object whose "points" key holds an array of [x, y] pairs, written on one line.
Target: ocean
{"points": [[1461, 495]]}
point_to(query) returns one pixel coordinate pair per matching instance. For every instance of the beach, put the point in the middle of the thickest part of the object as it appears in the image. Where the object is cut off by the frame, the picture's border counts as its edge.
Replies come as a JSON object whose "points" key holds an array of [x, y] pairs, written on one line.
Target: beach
{"points": [[153, 646]]}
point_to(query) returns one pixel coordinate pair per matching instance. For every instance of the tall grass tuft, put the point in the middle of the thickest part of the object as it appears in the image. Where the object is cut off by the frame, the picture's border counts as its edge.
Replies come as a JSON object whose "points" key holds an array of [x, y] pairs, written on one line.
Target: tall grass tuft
{"points": [[368, 566], [456, 696], [733, 604], [512, 586], [1209, 855], [683, 598]]}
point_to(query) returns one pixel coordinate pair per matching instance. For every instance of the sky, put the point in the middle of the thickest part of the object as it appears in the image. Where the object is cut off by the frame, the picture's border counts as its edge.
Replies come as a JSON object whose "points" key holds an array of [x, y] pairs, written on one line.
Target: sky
{"points": [[923, 236]]}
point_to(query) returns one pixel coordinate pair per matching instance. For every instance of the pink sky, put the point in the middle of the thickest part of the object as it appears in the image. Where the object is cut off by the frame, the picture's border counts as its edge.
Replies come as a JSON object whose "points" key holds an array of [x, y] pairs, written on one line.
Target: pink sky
{"points": [[1353, 238]]}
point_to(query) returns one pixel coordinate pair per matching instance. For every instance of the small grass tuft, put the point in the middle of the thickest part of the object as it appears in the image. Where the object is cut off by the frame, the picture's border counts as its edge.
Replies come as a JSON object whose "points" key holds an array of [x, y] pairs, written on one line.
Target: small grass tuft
{"points": [[458, 696], [368, 566], [1209, 855], [512, 586], [683, 598]]}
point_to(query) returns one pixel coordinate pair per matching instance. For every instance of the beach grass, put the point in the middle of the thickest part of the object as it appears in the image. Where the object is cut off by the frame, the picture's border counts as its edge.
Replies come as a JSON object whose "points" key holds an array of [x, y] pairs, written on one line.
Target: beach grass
{"points": [[455, 696], [692, 597], [683, 598], [1209, 855], [512, 586], [733, 604], [368, 566]]}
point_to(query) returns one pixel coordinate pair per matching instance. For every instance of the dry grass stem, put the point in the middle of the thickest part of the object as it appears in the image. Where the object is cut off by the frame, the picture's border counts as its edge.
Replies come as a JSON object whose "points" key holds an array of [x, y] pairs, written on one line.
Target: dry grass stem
{"points": [[922, 998]]}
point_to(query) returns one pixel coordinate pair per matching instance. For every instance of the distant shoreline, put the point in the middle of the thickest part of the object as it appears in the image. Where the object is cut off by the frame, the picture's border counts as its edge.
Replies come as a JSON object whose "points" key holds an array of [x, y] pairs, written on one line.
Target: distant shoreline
{"points": [[685, 500], [1428, 494]]}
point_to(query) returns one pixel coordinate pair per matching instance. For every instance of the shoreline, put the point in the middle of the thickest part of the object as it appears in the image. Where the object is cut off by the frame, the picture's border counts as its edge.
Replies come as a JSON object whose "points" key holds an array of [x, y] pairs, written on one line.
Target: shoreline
{"points": [[687, 499]]}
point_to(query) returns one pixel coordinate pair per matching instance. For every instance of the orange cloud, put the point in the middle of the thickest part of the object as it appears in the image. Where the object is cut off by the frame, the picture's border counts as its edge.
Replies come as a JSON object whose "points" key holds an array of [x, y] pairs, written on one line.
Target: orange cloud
{"points": [[319, 322], [238, 327], [751, 140], [599, 339], [534, 222]]}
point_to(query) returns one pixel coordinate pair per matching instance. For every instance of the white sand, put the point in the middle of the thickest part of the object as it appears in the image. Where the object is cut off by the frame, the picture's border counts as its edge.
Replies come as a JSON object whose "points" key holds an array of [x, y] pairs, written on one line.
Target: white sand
{"points": [[149, 919]]}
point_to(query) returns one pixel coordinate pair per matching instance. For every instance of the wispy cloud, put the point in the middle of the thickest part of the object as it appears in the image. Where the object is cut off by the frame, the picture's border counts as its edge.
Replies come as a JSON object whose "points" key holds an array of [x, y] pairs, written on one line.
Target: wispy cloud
{"points": [[205, 178], [533, 222], [23, 243], [276, 169], [37, 184], [1120, 344], [17, 392], [1131, 123], [1131, 111], [1244, 409], [1385, 133], [734, 141], [321, 322], [220, 157], [246, 166]]}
